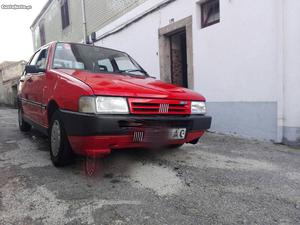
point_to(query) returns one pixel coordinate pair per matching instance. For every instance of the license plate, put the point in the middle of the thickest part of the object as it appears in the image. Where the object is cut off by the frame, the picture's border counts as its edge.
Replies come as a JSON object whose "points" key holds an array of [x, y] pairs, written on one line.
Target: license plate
{"points": [[177, 133]]}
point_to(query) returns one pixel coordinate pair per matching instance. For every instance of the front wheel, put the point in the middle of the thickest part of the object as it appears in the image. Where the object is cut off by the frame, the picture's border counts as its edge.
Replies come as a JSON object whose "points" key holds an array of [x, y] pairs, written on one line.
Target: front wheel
{"points": [[175, 146], [23, 125], [60, 149]]}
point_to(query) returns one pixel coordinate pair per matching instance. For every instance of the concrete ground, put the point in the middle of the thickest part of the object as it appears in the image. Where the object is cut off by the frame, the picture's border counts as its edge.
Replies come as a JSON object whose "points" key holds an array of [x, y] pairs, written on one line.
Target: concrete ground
{"points": [[222, 180]]}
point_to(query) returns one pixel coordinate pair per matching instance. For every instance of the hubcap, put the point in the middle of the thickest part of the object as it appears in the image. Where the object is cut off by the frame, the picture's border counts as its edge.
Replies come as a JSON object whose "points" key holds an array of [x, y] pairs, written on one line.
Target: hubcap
{"points": [[55, 138]]}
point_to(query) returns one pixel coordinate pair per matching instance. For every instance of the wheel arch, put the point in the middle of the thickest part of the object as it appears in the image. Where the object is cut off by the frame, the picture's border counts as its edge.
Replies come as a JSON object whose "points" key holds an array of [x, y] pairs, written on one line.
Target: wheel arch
{"points": [[51, 108]]}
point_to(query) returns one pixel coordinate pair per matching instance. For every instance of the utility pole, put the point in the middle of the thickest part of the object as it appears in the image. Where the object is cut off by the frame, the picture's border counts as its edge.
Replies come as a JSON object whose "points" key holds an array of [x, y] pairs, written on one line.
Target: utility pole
{"points": [[84, 21]]}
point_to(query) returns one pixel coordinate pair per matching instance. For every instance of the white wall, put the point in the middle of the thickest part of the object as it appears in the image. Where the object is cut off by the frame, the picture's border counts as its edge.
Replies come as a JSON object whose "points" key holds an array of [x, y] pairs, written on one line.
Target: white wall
{"points": [[292, 63], [235, 60]]}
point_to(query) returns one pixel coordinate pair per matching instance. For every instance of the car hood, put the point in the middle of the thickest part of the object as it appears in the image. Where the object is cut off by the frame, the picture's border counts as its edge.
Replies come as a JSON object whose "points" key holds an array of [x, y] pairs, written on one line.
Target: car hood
{"points": [[132, 86]]}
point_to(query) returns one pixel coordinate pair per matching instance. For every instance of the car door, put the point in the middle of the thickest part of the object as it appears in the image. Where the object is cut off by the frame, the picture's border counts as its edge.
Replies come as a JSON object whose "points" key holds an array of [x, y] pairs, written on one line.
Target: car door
{"points": [[26, 89], [33, 88], [39, 87]]}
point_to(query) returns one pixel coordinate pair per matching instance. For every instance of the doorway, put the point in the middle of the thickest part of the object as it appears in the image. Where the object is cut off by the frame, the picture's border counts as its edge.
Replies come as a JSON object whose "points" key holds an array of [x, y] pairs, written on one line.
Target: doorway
{"points": [[176, 53], [179, 59]]}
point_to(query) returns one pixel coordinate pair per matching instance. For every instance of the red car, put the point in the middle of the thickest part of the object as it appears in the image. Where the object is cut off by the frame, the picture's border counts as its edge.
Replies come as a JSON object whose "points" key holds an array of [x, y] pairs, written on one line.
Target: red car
{"points": [[91, 100]]}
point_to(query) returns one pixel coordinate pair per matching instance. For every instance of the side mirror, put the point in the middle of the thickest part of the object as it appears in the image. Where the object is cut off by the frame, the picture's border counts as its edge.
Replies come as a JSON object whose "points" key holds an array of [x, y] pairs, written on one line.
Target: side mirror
{"points": [[33, 69]]}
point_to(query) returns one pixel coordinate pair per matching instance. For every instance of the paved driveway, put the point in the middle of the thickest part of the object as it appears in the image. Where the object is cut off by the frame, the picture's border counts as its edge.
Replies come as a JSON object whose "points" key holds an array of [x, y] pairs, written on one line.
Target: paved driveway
{"points": [[222, 180]]}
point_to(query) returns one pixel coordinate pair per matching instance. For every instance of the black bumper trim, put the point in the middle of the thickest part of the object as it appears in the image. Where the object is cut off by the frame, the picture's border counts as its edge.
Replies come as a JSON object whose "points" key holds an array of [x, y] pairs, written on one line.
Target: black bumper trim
{"points": [[81, 124]]}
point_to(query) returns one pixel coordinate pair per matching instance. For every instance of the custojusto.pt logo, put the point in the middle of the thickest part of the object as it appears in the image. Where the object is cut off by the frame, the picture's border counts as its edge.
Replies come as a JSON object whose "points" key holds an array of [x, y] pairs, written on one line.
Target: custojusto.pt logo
{"points": [[15, 6]]}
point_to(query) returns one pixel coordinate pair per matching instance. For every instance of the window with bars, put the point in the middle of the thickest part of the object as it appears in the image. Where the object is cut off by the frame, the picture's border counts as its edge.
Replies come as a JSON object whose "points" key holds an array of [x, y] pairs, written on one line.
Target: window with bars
{"points": [[210, 13], [65, 19]]}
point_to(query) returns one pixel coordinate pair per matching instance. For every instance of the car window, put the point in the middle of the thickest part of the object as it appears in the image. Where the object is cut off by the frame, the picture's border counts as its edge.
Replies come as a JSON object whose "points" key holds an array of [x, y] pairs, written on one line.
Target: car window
{"points": [[34, 58], [124, 64], [65, 58], [105, 65], [42, 59], [127, 65], [94, 59]]}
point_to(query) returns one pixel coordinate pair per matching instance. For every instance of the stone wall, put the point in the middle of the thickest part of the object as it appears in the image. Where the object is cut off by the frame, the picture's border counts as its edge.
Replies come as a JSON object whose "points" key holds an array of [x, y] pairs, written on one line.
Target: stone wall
{"points": [[10, 73]]}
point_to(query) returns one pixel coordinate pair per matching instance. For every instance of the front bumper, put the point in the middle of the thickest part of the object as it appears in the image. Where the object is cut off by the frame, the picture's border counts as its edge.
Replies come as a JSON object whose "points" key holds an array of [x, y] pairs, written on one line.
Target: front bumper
{"points": [[81, 124], [89, 133]]}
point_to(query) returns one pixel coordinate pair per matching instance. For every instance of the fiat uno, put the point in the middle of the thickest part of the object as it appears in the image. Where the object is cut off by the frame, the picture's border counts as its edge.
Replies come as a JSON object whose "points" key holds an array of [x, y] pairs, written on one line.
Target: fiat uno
{"points": [[91, 100]]}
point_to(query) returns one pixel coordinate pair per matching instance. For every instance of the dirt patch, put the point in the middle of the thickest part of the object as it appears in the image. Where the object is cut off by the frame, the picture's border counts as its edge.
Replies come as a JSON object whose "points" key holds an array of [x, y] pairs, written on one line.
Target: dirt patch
{"points": [[161, 180]]}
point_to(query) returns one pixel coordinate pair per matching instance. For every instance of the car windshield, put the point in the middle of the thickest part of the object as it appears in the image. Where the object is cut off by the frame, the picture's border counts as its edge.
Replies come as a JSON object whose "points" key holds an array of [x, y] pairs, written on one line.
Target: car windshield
{"points": [[94, 59]]}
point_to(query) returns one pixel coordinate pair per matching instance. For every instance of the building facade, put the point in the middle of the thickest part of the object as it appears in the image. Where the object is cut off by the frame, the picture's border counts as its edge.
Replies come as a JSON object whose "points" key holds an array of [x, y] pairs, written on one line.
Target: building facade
{"points": [[242, 55], [10, 73]]}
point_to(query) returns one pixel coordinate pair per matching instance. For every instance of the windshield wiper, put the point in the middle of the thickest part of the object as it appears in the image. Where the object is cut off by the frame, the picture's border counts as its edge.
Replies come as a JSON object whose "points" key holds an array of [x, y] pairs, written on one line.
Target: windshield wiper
{"points": [[133, 70]]}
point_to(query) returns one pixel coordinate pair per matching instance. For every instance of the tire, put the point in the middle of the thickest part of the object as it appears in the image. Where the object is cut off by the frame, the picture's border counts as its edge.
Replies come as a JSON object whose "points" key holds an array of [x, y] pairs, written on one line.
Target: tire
{"points": [[23, 125], [175, 146], [60, 149]]}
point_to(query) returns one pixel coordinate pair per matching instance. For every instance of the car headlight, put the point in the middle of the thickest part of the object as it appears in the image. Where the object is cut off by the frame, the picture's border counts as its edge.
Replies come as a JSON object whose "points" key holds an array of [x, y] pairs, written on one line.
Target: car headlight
{"points": [[103, 105], [112, 105], [198, 108]]}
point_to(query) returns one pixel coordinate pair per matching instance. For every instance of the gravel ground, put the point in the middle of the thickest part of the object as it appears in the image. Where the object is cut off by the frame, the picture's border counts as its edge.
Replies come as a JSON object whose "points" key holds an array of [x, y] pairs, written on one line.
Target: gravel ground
{"points": [[222, 180]]}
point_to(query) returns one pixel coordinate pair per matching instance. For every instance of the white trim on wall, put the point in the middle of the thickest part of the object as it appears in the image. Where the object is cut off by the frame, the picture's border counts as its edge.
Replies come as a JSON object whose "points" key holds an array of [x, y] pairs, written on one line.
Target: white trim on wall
{"points": [[131, 17]]}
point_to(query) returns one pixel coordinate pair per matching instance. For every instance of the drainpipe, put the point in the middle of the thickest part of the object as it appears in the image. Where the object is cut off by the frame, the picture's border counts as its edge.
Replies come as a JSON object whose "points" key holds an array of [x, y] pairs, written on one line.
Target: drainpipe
{"points": [[84, 21], [281, 71]]}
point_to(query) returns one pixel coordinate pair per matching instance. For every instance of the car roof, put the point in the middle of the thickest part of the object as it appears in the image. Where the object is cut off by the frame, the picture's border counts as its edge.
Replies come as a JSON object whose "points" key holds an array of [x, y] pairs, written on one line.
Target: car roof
{"points": [[77, 43]]}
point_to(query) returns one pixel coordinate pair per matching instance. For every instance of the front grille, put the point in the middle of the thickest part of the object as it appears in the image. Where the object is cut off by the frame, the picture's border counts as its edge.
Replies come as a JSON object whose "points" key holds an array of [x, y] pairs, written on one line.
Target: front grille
{"points": [[159, 106]]}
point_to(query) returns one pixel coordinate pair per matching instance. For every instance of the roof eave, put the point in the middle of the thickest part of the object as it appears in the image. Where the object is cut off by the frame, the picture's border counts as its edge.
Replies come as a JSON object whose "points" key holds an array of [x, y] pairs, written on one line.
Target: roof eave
{"points": [[41, 13]]}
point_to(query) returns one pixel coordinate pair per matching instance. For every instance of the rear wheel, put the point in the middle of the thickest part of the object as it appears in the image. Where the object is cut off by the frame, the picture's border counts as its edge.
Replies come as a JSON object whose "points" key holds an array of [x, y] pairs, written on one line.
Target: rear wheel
{"points": [[23, 125], [60, 149]]}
